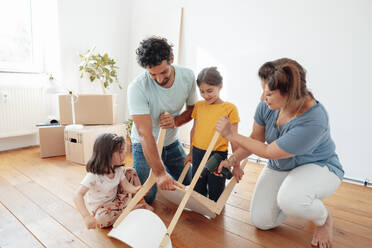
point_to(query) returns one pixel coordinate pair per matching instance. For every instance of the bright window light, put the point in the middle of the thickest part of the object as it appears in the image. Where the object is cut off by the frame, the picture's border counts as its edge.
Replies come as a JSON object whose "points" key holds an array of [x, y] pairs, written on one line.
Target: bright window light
{"points": [[16, 38]]}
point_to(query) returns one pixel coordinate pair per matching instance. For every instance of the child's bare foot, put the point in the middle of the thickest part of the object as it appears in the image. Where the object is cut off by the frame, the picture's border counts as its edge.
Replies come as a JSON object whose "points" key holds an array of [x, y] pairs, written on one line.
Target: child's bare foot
{"points": [[323, 235]]}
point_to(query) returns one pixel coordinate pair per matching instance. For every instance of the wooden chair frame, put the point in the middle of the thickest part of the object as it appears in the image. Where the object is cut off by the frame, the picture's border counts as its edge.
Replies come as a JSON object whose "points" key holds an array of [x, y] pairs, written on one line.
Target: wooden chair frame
{"points": [[213, 207]]}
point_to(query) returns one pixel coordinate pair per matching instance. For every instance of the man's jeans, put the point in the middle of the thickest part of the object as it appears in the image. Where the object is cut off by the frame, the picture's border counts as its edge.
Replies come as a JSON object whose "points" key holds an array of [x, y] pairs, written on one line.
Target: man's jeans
{"points": [[173, 157]]}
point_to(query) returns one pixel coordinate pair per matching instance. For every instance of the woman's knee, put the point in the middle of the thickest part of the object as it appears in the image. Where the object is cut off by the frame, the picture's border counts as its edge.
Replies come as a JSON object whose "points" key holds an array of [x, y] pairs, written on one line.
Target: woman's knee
{"points": [[263, 220], [294, 203]]}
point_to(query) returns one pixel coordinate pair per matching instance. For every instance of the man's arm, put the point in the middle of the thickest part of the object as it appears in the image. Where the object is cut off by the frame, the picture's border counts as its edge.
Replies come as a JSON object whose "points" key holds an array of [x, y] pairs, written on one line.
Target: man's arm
{"points": [[184, 117], [144, 128]]}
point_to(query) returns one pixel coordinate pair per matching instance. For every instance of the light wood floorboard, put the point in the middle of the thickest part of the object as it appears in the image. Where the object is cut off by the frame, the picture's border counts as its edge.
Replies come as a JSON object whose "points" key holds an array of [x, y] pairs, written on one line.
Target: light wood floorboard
{"points": [[36, 210]]}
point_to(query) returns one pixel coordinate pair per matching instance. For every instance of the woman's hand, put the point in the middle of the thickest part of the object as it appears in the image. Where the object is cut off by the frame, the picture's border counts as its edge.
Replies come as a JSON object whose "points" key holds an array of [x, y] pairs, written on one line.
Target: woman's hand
{"points": [[231, 162], [238, 173], [188, 159], [224, 163], [90, 222], [224, 127]]}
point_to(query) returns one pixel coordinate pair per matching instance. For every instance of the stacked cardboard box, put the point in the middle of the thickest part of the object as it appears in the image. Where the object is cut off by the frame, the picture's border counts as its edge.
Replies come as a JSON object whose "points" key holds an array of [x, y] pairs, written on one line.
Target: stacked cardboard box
{"points": [[89, 109], [79, 140], [51, 141], [98, 114], [94, 115]]}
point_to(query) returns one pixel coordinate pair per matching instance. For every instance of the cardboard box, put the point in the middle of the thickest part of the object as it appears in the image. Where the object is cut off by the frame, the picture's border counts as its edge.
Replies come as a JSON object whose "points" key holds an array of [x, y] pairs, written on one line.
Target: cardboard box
{"points": [[79, 141], [51, 141], [89, 109], [65, 109]]}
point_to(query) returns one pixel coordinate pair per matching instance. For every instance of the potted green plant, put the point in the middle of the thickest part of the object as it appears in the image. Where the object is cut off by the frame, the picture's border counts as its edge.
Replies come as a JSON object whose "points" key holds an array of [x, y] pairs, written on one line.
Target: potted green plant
{"points": [[100, 67], [128, 141]]}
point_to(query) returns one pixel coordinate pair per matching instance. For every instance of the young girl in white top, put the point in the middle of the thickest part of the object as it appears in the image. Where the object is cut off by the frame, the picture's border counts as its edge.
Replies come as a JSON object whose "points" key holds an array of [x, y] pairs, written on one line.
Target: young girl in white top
{"points": [[108, 184]]}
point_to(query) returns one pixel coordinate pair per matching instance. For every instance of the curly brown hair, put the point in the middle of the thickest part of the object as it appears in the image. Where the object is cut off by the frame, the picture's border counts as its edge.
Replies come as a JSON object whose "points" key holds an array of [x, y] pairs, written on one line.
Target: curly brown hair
{"points": [[153, 51]]}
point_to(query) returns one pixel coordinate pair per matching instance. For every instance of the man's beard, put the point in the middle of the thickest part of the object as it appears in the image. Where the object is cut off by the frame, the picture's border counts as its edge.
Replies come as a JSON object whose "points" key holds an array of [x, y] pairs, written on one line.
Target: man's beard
{"points": [[164, 82]]}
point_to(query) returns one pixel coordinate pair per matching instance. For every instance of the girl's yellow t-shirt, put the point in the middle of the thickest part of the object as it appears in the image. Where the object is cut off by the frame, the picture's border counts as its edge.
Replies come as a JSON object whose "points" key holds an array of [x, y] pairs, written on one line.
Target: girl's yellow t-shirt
{"points": [[206, 117]]}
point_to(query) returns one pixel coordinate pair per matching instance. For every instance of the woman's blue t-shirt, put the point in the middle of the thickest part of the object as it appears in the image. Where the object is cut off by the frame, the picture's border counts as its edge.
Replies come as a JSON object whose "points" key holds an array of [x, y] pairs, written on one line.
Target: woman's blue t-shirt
{"points": [[307, 136]]}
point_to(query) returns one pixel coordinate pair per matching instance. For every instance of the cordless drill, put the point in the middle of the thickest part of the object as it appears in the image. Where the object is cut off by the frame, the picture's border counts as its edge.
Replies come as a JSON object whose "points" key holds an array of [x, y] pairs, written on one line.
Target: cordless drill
{"points": [[213, 163]]}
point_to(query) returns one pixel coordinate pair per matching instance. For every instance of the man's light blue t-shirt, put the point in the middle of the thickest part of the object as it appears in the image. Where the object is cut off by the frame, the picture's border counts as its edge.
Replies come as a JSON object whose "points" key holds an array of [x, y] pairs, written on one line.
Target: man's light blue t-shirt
{"points": [[145, 96], [307, 136]]}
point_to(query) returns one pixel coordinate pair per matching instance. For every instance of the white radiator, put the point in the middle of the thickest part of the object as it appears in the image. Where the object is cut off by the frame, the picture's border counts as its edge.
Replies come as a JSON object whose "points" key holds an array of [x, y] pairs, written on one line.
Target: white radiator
{"points": [[20, 110]]}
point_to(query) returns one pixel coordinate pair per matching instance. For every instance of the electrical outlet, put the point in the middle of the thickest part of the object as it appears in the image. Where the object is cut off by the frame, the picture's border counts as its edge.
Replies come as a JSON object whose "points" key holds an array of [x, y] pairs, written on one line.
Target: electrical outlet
{"points": [[3, 97]]}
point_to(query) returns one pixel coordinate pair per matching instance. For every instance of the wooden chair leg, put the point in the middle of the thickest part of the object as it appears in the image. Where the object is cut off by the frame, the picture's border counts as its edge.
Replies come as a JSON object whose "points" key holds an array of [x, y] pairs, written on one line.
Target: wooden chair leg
{"points": [[227, 191], [138, 196], [189, 191], [151, 180], [184, 172]]}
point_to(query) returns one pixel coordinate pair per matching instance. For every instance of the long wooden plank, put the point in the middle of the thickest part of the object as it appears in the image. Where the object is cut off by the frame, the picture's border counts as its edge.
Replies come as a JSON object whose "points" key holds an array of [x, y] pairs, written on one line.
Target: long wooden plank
{"points": [[47, 175], [150, 181], [346, 233], [44, 227], [227, 192], [189, 191], [63, 212], [184, 172], [346, 230], [68, 217], [13, 233]]}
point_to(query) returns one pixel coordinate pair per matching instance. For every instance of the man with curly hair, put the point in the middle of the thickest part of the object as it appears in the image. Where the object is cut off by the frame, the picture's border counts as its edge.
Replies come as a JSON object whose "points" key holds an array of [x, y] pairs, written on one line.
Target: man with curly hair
{"points": [[162, 88]]}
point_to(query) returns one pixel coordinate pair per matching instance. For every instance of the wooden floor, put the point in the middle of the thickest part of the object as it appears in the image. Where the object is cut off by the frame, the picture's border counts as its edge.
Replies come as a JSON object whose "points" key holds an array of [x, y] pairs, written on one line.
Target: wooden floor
{"points": [[36, 210]]}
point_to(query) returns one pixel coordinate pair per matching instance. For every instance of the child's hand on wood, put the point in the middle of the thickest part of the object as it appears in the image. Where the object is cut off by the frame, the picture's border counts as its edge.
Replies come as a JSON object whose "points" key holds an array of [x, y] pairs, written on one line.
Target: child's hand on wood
{"points": [[128, 187], [137, 188], [90, 222]]}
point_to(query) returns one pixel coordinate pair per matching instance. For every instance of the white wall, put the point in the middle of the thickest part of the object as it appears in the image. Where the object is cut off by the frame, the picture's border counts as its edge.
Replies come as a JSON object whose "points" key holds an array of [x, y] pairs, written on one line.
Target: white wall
{"points": [[149, 18], [105, 24], [44, 28], [330, 39], [66, 28]]}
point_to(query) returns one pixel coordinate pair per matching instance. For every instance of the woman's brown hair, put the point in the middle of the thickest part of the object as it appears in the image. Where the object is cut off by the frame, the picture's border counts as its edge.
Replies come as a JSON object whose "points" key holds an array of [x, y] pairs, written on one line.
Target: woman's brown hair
{"points": [[104, 146], [287, 76]]}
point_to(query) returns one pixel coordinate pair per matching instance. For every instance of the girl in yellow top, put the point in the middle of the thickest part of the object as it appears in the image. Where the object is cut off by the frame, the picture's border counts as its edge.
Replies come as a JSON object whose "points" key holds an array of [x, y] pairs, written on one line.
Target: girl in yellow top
{"points": [[206, 114]]}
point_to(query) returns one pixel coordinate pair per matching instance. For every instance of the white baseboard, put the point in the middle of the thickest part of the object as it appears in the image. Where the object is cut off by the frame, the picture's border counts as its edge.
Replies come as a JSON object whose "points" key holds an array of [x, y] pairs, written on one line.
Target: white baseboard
{"points": [[18, 142]]}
